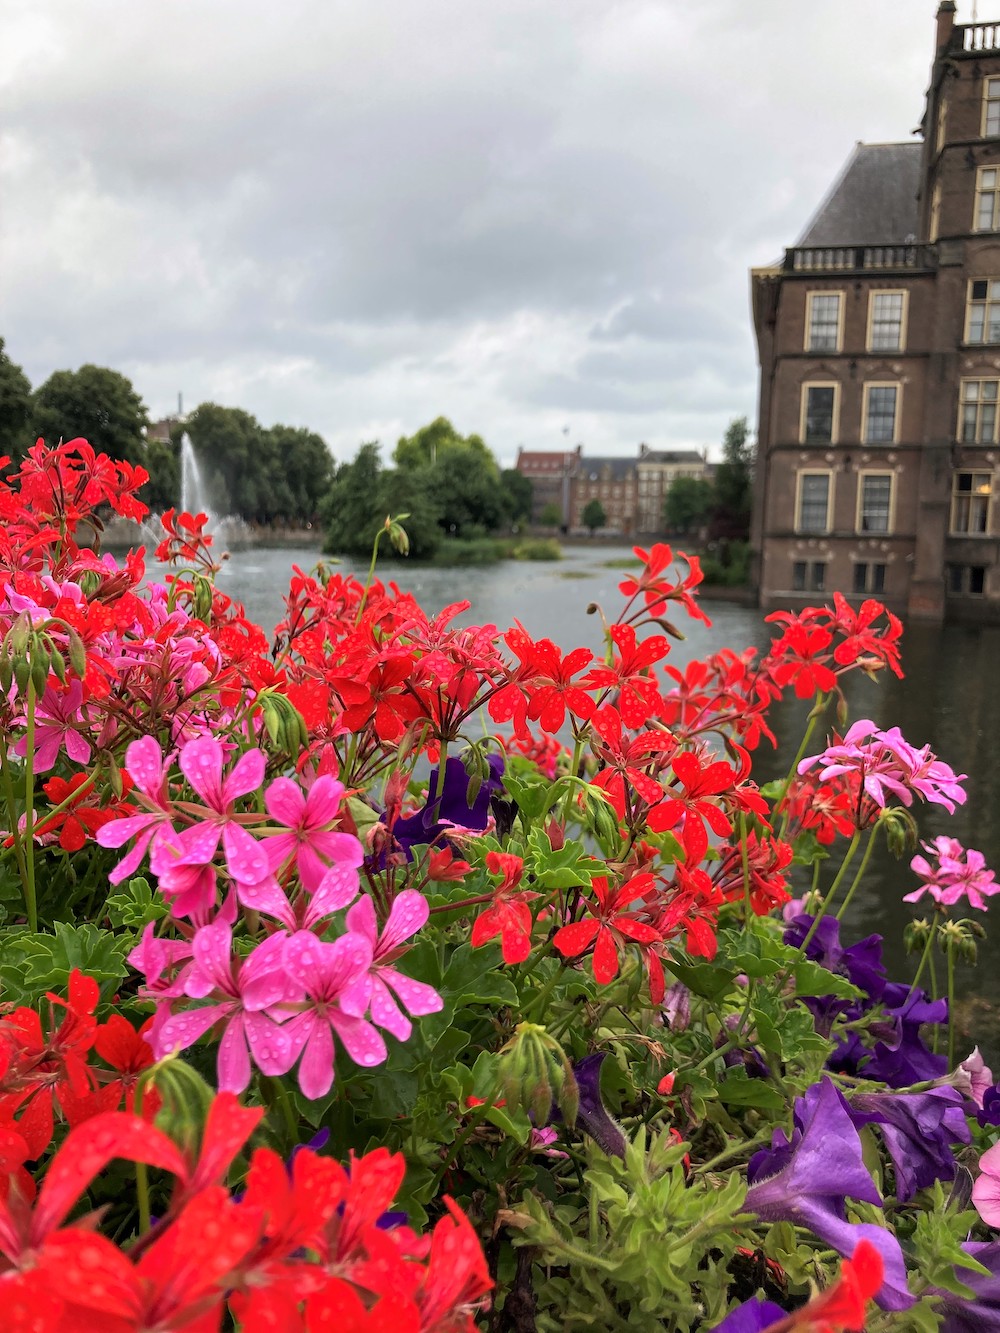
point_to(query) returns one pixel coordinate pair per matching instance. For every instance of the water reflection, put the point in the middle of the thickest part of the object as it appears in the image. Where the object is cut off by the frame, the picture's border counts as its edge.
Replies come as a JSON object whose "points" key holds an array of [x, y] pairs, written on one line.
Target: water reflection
{"points": [[948, 700]]}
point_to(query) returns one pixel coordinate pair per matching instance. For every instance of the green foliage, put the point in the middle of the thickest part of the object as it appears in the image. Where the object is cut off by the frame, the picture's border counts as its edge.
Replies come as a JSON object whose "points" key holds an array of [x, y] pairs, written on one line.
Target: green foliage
{"points": [[538, 548], [551, 515], [516, 493], [135, 905], [275, 475], [31, 965], [98, 404], [593, 516], [15, 407], [687, 504], [734, 481], [728, 566]]}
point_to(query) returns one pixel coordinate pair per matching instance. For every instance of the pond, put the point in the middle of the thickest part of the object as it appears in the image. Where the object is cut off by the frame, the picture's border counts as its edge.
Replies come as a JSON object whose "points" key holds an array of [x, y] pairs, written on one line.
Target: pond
{"points": [[949, 699]]}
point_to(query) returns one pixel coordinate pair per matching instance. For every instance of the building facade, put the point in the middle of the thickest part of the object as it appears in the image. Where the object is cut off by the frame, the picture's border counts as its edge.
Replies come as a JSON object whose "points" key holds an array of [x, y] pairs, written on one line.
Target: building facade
{"points": [[631, 490], [878, 335]]}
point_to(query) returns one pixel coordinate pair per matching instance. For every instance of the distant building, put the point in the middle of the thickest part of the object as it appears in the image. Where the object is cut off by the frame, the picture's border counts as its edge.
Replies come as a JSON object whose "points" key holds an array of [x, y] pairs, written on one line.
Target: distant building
{"points": [[656, 472], [160, 430], [551, 475], [878, 335], [612, 481]]}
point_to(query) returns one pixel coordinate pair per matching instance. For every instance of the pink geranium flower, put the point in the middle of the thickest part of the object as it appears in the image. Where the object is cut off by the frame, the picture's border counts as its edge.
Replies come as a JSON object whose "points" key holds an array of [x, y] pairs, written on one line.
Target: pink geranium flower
{"points": [[374, 988], [145, 765], [954, 872], [202, 763], [58, 715], [243, 992], [888, 767], [309, 841], [327, 972], [986, 1190]]}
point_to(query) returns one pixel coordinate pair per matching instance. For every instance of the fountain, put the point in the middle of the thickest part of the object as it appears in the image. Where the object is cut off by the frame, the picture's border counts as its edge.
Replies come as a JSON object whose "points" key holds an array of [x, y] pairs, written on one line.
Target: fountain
{"points": [[229, 531]]}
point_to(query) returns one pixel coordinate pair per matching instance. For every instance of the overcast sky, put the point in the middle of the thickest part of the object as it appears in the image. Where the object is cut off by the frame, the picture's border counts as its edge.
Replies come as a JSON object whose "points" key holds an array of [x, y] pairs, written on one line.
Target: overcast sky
{"points": [[356, 215]]}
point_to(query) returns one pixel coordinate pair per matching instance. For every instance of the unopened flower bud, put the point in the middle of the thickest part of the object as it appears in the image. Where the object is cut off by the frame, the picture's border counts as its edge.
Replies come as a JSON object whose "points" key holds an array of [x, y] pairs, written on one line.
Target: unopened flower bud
{"points": [[186, 1101], [535, 1072]]}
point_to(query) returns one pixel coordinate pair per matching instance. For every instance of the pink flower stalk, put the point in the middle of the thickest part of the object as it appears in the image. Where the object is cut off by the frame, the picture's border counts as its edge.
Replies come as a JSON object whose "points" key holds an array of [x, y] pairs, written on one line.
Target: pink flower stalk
{"points": [[145, 765], [326, 972], [57, 715], [309, 840], [245, 992], [374, 988], [955, 872], [889, 766]]}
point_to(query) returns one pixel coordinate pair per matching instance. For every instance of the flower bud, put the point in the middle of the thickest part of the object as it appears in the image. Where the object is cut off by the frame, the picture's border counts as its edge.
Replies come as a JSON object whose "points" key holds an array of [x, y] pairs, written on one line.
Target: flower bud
{"points": [[535, 1072], [186, 1101]]}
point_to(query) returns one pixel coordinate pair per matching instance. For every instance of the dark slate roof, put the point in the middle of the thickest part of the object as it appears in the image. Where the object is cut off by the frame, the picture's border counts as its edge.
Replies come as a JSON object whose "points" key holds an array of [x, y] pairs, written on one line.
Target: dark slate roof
{"points": [[873, 201], [618, 469], [671, 456]]}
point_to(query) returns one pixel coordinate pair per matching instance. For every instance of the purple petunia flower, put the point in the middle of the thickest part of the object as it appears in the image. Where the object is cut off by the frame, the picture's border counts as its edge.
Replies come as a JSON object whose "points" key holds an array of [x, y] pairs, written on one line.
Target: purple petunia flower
{"points": [[752, 1316], [806, 1179], [592, 1115], [452, 809], [919, 1129], [981, 1312]]}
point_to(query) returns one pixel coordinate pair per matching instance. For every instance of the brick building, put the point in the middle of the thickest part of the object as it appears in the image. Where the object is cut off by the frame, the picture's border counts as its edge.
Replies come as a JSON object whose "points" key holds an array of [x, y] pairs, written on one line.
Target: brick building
{"points": [[631, 490], [878, 335]]}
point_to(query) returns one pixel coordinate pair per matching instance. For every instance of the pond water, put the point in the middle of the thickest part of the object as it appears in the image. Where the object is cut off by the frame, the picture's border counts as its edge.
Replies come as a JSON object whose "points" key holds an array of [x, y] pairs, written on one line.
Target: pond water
{"points": [[949, 699]]}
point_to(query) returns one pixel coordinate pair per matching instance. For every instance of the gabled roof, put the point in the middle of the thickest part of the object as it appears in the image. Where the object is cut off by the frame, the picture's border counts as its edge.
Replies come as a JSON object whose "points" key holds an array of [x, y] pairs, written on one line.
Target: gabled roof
{"points": [[615, 469], [671, 456], [873, 201]]}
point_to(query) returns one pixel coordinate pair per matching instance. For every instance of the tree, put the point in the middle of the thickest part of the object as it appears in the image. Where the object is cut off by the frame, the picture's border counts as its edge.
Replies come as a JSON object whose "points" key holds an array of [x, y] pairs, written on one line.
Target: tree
{"points": [[15, 407], [100, 405], [551, 515], [438, 441], [516, 492], [593, 515], [363, 494], [734, 482], [688, 503], [307, 466]]}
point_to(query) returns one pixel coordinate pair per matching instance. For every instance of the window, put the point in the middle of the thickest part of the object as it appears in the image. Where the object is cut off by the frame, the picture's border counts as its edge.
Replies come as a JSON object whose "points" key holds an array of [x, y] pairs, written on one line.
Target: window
{"points": [[880, 413], [823, 322], [809, 574], [869, 577], [970, 503], [885, 321], [942, 122], [967, 580], [977, 414], [982, 324], [819, 413], [991, 108], [935, 222], [874, 501], [987, 199], [814, 502]]}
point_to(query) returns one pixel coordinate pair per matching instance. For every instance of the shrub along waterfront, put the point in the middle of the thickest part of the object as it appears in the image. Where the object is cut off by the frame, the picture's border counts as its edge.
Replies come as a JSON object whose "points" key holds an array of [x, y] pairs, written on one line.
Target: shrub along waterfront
{"points": [[540, 1040]]}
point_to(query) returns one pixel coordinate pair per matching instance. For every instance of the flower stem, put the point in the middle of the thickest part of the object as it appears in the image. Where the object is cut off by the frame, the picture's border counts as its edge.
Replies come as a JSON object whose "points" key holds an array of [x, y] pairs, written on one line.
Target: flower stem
{"points": [[370, 578], [951, 1003], [29, 812], [861, 870], [924, 957], [818, 709]]}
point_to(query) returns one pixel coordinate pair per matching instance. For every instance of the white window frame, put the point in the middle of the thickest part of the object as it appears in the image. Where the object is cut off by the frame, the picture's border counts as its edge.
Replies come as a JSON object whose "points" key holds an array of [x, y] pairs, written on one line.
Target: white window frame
{"points": [[977, 403], [988, 194], [990, 303], [991, 108], [973, 494], [890, 527], [800, 477], [803, 411], [903, 313], [896, 415], [811, 297]]}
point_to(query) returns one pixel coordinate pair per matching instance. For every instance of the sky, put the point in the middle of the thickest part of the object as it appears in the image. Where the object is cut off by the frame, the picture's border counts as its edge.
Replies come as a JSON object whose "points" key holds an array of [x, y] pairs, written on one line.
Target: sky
{"points": [[535, 217]]}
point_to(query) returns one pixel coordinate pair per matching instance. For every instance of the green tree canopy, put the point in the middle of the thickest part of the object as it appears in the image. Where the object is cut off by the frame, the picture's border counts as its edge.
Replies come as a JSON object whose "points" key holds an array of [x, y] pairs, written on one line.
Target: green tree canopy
{"points": [[363, 494], [551, 515], [734, 481], [439, 442], [688, 503], [593, 515], [516, 493], [98, 404], [15, 407]]}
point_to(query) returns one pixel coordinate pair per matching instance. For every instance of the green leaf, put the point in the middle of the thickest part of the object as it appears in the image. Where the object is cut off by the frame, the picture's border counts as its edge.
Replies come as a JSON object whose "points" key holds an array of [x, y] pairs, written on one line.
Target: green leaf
{"points": [[705, 979], [135, 905], [738, 1090], [30, 965]]}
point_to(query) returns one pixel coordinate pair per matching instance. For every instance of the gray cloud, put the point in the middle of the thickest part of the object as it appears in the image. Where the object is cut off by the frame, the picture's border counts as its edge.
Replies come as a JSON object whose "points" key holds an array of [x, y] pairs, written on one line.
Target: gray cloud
{"points": [[358, 216]]}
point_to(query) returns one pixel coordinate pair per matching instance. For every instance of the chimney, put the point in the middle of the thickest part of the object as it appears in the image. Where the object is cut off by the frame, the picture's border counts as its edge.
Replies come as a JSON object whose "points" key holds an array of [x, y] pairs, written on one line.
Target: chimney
{"points": [[945, 24]]}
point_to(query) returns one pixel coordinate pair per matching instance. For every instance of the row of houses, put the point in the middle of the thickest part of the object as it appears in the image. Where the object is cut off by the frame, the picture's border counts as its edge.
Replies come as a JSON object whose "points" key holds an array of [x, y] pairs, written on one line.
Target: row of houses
{"points": [[631, 491], [878, 335]]}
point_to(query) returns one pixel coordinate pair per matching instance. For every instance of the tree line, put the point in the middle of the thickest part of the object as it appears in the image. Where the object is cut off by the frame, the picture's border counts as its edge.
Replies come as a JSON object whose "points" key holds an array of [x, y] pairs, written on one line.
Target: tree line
{"points": [[265, 474]]}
